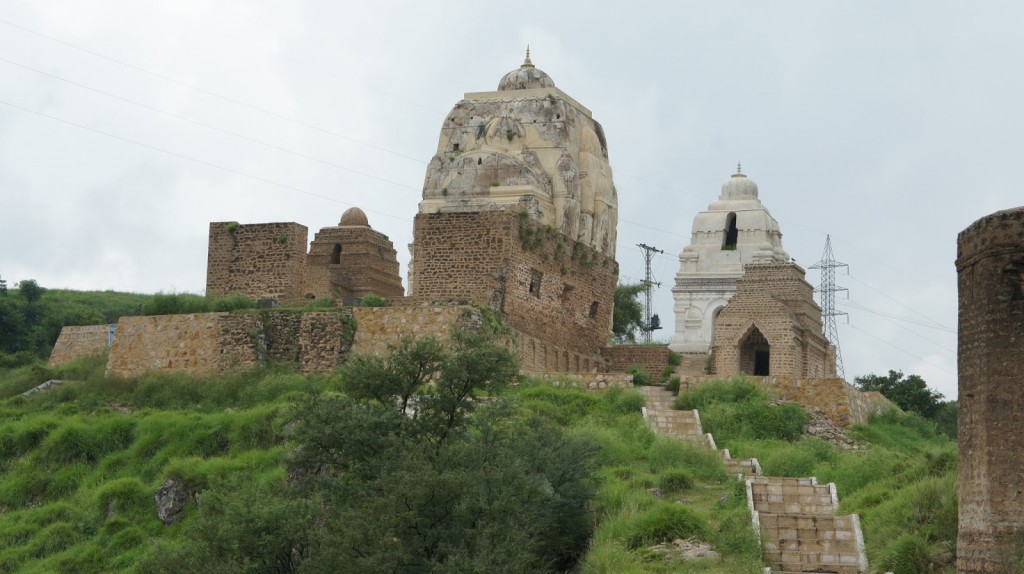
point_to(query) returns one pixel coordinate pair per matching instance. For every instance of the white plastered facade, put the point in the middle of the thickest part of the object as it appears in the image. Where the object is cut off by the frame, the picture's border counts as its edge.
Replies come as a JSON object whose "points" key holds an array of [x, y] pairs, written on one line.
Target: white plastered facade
{"points": [[733, 231]]}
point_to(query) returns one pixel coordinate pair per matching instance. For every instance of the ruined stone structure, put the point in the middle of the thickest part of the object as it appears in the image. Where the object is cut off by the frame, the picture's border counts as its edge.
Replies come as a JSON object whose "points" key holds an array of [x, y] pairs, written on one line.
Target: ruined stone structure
{"points": [[76, 342], [732, 232], [990, 272], [519, 213], [772, 326], [548, 287], [527, 147], [269, 261]]}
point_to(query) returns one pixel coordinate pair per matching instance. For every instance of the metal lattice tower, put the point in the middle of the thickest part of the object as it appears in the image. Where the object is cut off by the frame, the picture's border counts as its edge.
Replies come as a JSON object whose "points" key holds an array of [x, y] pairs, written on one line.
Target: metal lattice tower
{"points": [[648, 282], [827, 294]]}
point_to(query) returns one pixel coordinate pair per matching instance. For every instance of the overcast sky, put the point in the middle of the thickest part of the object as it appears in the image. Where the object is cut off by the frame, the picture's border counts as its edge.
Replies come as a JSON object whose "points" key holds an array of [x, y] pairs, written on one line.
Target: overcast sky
{"points": [[127, 126]]}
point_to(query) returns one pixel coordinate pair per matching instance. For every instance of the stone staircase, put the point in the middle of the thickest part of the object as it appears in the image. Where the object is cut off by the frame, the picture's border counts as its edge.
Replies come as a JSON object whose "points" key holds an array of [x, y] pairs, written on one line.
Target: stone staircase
{"points": [[794, 517]]}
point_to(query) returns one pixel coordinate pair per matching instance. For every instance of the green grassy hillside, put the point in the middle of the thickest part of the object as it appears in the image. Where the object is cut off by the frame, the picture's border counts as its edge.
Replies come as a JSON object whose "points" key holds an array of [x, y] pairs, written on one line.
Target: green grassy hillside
{"points": [[265, 453]]}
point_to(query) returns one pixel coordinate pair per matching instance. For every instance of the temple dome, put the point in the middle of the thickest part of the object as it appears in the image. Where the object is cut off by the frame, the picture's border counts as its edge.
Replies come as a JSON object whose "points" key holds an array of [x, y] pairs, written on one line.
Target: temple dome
{"points": [[739, 186], [525, 77], [353, 217]]}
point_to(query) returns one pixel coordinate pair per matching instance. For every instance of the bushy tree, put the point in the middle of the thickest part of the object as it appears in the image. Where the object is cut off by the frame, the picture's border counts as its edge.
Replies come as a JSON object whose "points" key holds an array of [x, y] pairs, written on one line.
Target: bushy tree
{"points": [[909, 393], [408, 470], [628, 314]]}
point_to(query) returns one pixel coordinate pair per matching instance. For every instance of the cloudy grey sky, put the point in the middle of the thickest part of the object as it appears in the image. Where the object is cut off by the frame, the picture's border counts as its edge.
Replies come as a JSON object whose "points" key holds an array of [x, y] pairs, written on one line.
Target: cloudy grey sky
{"points": [[127, 126]]}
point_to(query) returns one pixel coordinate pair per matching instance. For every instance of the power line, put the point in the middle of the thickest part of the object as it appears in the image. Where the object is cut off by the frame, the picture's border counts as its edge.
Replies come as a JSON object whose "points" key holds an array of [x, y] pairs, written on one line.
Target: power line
{"points": [[208, 126], [193, 159], [897, 347], [211, 93]]}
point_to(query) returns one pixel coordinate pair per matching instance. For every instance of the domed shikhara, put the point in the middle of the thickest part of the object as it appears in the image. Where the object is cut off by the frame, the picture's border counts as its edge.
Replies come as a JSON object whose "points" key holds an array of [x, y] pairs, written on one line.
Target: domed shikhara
{"points": [[733, 231], [525, 77], [353, 217], [526, 147]]}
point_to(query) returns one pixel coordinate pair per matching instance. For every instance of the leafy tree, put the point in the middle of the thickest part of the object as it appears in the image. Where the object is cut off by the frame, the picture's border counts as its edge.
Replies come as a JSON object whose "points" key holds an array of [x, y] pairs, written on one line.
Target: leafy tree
{"points": [[407, 471], [3, 287], [628, 314], [910, 393], [30, 290]]}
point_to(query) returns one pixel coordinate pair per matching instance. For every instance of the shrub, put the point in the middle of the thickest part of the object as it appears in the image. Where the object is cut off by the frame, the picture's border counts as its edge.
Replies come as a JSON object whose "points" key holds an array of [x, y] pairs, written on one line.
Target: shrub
{"points": [[618, 401], [372, 300], [907, 555], [731, 391], [675, 481], [663, 523], [123, 495], [641, 377], [673, 385]]}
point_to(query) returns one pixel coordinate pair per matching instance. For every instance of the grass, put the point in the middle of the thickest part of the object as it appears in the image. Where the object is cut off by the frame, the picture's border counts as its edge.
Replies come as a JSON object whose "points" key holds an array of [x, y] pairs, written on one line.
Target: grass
{"points": [[79, 465]]}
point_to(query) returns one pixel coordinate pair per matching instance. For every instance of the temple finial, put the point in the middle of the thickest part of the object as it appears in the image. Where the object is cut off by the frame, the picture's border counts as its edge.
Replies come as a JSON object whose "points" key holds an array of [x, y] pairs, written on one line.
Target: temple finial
{"points": [[527, 63], [739, 167]]}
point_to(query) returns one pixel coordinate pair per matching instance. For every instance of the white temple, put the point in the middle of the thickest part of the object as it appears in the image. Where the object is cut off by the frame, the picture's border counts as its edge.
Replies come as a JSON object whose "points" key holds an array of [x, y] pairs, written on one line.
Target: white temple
{"points": [[733, 231]]}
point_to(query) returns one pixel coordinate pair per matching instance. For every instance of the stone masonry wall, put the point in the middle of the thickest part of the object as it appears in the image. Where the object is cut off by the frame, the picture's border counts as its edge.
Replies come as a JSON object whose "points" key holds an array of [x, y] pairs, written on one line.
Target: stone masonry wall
{"points": [[546, 286], [263, 260], [171, 343], [833, 398], [990, 358], [652, 358], [211, 343], [79, 341], [378, 327]]}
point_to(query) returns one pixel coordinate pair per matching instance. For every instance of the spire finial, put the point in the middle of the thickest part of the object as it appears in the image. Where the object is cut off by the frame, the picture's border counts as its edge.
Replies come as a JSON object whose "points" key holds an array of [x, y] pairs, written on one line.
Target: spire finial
{"points": [[527, 63], [739, 167]]}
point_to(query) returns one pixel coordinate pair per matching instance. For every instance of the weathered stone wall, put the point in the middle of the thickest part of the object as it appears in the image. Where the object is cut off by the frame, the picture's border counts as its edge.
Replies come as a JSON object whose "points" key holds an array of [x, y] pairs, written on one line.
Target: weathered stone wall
{"points": [[79, 341], [990, 358], [378, 327], [263, 260], [537, 356], [170, 343], [652, 358], [833, 398], [546, 286], [211, 343], [351, 262], [323, 343], [775, 300]]}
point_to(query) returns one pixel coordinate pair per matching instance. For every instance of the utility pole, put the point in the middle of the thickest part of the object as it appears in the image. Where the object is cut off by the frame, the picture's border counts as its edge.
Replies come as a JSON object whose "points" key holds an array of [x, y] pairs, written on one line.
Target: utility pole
{"points": [[651, 322], [827, 293]]}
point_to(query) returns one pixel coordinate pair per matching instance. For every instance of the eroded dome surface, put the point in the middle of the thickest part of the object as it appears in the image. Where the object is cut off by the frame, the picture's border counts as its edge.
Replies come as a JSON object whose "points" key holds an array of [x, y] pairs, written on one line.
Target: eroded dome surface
{"points": [[525, 77], [353, 216]]}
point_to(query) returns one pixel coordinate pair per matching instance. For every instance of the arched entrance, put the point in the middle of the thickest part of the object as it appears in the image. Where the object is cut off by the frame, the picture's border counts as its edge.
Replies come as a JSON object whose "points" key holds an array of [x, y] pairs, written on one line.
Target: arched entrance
{"points": [[755, 354]]}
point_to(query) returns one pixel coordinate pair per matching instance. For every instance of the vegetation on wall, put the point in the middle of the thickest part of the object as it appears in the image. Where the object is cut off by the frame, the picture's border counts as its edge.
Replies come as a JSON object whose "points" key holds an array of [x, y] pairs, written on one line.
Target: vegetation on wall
{"points": [[552, 244]]}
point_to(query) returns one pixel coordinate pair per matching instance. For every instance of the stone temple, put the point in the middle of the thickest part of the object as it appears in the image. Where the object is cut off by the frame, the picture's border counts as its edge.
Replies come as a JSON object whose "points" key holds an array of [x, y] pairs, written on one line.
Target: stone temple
{"points": [[733, 231], [527, 146]]}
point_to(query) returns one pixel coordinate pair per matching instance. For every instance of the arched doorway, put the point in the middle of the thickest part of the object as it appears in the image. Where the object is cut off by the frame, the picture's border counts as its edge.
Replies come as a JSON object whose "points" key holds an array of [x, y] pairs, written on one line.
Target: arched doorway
{"points": [[755, 354]]}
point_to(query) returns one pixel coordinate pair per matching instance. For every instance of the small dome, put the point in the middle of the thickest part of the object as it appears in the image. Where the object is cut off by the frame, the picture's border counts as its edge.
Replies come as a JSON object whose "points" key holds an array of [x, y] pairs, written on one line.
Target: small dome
{"points": [[352, 217], [739, 186], [525, 77]]}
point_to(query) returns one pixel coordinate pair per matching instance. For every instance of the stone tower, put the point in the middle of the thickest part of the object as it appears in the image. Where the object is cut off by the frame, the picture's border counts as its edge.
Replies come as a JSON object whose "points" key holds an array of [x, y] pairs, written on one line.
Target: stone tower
{"points": [[519, 214], [527, 146], [732, 232], [352, 260], [990, 276], [772, 326]]}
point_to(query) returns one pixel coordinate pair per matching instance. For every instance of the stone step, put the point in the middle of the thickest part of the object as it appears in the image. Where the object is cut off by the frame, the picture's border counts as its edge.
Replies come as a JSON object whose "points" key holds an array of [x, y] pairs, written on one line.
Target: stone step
{"points": [[779, 495], [809, 542]]}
